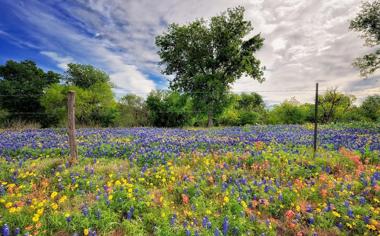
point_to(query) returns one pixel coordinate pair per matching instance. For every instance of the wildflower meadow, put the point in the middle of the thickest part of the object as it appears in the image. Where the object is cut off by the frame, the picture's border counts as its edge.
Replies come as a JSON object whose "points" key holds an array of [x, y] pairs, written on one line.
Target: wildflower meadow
{"points": [[261, 180]]}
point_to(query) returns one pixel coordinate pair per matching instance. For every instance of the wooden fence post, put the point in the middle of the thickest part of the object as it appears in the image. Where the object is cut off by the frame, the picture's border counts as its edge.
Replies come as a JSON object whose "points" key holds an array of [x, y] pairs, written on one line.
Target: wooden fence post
{"points": [[71, 127]]}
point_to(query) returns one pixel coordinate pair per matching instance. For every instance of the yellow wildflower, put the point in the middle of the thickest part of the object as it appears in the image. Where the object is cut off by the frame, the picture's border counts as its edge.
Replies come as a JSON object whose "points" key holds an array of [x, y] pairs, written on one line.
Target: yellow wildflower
{"points": [[336, 214], [226, 199], [53, 195], [36, 218], [371, 227], [62, 199], [12, 210], [54, 206], [40, 211]]}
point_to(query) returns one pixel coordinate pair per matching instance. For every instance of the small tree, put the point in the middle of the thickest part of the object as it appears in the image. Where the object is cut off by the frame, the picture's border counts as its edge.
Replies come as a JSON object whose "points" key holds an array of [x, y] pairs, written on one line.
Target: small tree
{"points": [[206, 57], [333, 105], [85, 76], [287, 113], [132, 111], [95, 103], [368, 23], [371, 107], [168, 109]]}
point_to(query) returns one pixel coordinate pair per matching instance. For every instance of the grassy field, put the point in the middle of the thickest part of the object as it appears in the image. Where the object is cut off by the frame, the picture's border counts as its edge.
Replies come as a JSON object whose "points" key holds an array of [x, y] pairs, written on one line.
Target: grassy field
{"points": [[230, 181]]}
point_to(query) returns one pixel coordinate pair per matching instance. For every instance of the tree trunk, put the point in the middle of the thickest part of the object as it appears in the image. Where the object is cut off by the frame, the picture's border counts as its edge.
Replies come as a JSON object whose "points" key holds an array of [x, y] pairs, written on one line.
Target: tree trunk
{"points": [[210, 121]]}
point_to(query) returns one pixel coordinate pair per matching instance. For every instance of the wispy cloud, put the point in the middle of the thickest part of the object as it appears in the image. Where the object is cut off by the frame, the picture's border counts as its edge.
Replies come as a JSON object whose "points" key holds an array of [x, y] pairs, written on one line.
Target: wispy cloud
{"points": [[62, 61]]}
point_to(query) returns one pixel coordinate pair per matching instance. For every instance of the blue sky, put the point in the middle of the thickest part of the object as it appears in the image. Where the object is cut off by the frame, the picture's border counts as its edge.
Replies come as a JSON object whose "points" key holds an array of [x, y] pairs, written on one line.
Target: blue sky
{"points": [[305, 41]]}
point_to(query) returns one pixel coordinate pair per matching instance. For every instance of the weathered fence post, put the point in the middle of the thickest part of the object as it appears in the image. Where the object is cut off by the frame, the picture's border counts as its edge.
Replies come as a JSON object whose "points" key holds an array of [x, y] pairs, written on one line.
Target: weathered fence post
{"points": [[71, 127], [316, 119]]}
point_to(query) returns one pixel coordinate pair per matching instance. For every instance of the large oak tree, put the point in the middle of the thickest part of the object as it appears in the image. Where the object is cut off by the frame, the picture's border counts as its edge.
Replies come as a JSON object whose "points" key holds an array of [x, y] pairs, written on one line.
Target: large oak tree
{"points": [[368, 23], [207, 56]]}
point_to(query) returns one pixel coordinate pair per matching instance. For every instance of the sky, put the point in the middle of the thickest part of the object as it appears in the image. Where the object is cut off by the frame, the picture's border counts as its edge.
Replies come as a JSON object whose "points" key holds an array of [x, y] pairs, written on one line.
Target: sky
{"points": [[306, 41]]}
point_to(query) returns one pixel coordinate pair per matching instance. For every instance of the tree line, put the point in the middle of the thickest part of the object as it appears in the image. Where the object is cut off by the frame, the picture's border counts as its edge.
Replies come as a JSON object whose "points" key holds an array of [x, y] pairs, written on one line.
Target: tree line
{"points": [[30, 94]]}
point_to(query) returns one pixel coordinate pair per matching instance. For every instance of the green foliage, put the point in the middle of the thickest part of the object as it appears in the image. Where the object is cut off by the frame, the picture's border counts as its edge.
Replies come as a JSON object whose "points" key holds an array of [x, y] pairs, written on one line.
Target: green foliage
{"points": [[3, 116], [132, 111], [333, 105], [207, 56], [368, 23], [94, 106], [251, 101], [244, 109], [169, 109], [21, 86], [85, 76], [370, 107], [287, 113], [248, 117], [230, 117]]}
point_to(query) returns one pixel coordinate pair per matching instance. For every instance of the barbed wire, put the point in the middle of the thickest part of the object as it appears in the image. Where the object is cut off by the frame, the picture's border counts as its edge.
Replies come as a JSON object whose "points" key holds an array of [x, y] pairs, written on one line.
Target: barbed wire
{"points": [[205, 92]]}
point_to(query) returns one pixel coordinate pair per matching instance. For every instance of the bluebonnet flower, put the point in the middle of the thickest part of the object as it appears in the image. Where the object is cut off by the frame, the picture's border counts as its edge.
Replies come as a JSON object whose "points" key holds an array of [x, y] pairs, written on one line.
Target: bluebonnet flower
{"points": [[350, 213], [266, 188], [309, 209], [225, 226], [130, 213], [339, 225], [366, 219], [2, 190], [5, 230], [85, 211], [204, 222], [362, 200], [172, 219]]}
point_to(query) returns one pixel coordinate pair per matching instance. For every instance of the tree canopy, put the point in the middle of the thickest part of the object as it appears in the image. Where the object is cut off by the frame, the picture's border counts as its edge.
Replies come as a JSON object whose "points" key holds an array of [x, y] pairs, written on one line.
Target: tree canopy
{"points": [[371, 107], [85, 76], [21, 86], [95, 102], [206, 57], [333, 105], [368, 23]]}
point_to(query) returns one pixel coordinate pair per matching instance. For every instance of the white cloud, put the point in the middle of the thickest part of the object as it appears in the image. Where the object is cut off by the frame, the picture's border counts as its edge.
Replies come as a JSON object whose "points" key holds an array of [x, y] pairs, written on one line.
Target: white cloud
{"points": [[279, 44], [62, 61]]}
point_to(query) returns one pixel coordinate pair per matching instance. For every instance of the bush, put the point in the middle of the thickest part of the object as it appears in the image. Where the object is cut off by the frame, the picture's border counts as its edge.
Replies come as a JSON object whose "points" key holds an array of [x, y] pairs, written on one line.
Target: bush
{"points": [[229, 117], [370, 108], [287, 113], [248, 117]]}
